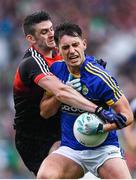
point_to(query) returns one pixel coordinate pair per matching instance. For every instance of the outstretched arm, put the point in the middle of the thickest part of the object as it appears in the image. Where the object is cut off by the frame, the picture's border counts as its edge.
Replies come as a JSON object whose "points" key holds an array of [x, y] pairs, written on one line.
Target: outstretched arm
{"points": [[66, 94]]}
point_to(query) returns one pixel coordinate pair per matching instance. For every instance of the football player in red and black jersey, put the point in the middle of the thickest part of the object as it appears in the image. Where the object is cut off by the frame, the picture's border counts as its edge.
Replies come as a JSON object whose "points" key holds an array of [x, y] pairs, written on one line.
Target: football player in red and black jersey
{"points": [[34, 135]]}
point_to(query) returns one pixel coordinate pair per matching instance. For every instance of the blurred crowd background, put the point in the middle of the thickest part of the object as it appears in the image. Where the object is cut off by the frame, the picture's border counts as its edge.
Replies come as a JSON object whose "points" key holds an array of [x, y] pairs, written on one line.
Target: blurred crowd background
{"points": [[110, 29]]}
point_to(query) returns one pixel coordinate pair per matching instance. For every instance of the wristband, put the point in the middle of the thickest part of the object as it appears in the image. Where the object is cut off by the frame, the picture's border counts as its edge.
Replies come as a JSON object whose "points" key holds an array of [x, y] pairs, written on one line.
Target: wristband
{"points": [[120, 121]]}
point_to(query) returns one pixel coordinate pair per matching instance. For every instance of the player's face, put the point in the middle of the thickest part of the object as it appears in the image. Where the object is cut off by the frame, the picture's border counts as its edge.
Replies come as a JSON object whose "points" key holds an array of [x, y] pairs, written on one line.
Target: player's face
{"points": [[72, 50], [44, 35]]}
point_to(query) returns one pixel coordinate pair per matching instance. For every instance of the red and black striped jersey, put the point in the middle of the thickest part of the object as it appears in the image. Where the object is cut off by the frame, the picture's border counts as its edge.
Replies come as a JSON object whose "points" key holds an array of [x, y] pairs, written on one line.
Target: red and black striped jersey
{"points": [[27, 93]]}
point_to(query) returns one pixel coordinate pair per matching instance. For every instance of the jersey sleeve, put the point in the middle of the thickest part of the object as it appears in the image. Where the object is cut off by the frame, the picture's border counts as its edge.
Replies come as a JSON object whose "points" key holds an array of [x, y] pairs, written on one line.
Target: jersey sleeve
{"points": [[104, 86], [109, 91], [32, 70]]}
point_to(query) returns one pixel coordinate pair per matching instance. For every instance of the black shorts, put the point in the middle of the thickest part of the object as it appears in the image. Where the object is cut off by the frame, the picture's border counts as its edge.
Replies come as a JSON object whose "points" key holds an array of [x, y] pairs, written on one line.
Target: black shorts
{"points": [[34, 149]]}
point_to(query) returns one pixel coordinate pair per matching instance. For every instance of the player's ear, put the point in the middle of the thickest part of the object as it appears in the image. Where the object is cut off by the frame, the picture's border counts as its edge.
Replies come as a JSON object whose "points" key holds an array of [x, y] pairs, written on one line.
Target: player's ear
{"points": [[84, 44], [30, 39]]}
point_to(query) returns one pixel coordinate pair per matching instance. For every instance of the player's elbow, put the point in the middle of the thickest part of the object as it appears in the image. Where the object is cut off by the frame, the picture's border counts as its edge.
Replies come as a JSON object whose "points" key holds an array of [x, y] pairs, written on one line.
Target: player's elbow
{"points": [[130, 119], [45, 114]]}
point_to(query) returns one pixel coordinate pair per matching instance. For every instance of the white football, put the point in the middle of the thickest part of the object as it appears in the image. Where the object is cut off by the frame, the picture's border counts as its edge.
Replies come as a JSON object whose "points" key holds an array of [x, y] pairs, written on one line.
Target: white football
{"points": [[84, 139]]}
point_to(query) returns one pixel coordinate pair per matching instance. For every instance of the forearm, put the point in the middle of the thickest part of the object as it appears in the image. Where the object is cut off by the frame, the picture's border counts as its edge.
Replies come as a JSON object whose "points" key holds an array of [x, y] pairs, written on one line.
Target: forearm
{"points": [[123, 107], [71, 97], [49, 106], [119, 119], [66, 94]]}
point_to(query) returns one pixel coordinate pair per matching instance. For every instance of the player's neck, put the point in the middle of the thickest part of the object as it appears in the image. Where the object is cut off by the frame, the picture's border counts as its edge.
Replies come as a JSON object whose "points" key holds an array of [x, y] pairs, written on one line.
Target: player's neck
{"points": [[75, 71], [46, 52]]}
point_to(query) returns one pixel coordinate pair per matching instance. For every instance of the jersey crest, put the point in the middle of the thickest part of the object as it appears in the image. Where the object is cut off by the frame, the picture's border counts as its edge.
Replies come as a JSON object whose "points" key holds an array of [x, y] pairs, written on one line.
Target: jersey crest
{"points": [[85, 90]]}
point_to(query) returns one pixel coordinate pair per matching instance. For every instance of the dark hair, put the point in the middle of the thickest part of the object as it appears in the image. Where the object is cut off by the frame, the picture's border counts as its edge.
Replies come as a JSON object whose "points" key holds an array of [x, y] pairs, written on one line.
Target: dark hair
{"points": [[32, 19], [67, 29]]}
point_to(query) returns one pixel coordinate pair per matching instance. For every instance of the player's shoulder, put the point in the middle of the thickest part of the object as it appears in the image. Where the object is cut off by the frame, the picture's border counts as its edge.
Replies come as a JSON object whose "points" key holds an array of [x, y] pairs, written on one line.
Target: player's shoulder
{"points": [[92, 68], [91, 65], [91, 60], [27, 62]]}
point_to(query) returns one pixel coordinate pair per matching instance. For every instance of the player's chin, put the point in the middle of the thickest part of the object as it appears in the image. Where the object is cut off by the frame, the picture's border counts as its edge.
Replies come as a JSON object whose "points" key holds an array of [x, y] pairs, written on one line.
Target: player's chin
{"points": [[75, 63], [51, 44]]}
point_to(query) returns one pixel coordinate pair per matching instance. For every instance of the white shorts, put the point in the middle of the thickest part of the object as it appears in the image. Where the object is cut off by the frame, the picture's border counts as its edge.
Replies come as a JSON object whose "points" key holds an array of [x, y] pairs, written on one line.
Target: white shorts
{"points": [[90, 160]]}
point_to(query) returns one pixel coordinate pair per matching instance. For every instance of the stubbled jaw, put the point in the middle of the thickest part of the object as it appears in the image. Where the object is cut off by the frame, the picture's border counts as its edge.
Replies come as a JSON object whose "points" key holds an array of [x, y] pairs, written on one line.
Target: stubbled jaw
{"points": [[51, 43]]}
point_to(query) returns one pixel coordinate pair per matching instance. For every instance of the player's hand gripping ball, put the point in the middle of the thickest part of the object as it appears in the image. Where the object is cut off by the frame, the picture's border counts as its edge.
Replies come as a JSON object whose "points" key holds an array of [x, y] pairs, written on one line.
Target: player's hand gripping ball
{"points": [[88, 130]]}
